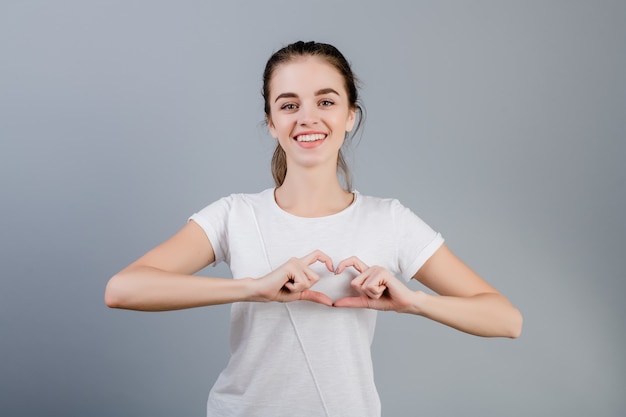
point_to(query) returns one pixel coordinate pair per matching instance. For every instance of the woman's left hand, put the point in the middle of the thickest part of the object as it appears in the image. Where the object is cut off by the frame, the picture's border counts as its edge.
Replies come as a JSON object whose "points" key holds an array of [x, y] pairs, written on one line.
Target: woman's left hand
{"points": [[379, 288]]}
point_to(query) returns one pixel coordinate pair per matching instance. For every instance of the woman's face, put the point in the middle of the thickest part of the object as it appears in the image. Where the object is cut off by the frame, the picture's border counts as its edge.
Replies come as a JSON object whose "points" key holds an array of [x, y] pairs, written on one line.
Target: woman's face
{"points": [[309, 111]]}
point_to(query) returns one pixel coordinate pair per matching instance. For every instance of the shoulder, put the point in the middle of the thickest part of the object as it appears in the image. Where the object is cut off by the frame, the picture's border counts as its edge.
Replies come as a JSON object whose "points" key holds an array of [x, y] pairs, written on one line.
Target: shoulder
{"points": [[393, 213], [233, 203], [237, 199], [380, 204], [255, 199]]}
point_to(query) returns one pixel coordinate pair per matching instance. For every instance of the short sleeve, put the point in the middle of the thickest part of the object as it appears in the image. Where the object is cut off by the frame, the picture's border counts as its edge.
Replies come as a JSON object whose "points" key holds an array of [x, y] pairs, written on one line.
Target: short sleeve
{"points": [[213, 219], [417, 241]]}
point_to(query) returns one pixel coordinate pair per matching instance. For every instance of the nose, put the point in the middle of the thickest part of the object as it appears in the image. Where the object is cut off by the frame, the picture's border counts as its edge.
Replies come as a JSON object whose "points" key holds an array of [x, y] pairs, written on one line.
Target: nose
{"points": [[308, 115]]}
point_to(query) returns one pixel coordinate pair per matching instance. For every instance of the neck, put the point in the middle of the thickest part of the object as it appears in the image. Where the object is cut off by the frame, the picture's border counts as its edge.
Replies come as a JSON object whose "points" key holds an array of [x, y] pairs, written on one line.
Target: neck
{"points": [[312, 194]]}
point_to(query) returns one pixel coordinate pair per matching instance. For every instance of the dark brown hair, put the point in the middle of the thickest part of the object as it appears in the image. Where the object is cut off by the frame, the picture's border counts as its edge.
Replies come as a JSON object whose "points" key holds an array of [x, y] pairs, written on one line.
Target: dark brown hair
{"points": [[339, 62]]}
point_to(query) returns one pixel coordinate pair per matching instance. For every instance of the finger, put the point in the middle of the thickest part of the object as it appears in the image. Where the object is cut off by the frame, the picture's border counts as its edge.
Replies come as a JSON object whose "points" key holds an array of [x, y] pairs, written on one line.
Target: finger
{"points": [[353, 302], [317, 297], [374, 285], [359, 281], [352, 261], [402, 296], [311, 276], [362, 302], [373, 290], [319, 256], [372, 282], [298, 282]]}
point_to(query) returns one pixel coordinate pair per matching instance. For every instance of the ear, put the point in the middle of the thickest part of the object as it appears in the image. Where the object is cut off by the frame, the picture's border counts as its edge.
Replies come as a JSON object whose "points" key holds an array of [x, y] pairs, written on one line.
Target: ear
{"points": [[351, 120], [270, 126]]}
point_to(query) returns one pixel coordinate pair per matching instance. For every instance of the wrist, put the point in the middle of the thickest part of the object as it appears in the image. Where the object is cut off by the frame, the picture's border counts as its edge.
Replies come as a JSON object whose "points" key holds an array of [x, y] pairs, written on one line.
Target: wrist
{"points": [[418, 303], [252, 290], [249, 289]]}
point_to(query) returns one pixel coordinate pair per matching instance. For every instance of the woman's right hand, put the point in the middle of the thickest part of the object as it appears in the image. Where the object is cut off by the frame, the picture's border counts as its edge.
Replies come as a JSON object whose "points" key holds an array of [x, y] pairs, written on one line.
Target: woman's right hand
{"points": [[292, 281]]}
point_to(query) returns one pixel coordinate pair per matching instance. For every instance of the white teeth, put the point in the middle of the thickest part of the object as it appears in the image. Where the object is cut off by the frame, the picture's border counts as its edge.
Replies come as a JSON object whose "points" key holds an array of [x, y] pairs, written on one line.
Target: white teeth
{"points": [[310, 138]]}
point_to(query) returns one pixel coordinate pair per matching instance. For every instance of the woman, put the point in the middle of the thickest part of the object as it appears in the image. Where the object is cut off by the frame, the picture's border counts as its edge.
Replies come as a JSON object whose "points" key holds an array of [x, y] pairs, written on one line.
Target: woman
{"points": [[312, 261]]}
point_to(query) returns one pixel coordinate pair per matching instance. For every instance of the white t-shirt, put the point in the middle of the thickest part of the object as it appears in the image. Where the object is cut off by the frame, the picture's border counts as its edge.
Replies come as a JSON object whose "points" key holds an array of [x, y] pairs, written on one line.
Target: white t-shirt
{"points": [[302, 358]]}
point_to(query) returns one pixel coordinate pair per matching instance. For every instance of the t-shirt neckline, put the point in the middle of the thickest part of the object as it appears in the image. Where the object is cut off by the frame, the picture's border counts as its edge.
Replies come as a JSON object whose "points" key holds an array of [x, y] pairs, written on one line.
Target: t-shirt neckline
{"points": [[271, 196]]}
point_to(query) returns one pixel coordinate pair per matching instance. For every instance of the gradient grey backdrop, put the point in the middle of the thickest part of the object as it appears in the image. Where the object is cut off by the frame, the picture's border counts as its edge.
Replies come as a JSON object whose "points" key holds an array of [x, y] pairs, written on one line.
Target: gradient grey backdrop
{"points": [[502, 124]]}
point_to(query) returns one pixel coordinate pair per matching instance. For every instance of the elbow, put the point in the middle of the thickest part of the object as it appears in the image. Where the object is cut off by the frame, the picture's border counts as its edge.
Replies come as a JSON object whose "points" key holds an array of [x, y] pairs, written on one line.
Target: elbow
{"points": [[516, 324], [113, 294]]}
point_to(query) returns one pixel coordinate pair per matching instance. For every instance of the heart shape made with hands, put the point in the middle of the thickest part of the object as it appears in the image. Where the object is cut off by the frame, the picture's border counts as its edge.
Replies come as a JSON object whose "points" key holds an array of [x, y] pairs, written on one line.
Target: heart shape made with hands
{"points": [[335, 286]]}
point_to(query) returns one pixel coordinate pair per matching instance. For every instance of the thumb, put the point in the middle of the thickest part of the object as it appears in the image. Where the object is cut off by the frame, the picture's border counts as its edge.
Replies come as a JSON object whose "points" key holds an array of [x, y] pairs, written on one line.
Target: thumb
{"points": [[316, 297], [353, 302]]}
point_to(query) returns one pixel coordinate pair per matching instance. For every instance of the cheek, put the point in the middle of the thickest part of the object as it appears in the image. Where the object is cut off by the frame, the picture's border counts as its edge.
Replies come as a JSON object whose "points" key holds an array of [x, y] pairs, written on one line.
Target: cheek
{"points": [[275, 127], [342, 123], [282, 127]]}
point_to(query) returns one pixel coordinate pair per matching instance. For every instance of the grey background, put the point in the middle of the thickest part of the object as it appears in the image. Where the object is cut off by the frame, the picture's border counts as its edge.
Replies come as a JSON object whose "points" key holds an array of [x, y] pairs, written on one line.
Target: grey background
{"points": [[500, 123]]}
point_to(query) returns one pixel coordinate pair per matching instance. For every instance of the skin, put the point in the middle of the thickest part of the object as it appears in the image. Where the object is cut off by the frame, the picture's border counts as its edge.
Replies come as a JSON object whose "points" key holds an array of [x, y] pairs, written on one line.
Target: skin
{"points": [[311, 187], [307, 95]]}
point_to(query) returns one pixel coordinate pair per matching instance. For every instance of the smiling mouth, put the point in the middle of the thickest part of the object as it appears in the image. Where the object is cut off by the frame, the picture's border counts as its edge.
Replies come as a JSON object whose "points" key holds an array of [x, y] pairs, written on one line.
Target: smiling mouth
{"points": [[310, 138]]}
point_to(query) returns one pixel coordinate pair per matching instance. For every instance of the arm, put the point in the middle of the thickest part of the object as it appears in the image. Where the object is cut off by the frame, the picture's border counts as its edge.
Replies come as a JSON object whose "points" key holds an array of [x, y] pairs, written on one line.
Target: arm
{"points": [[465, 301], [163, 278]]}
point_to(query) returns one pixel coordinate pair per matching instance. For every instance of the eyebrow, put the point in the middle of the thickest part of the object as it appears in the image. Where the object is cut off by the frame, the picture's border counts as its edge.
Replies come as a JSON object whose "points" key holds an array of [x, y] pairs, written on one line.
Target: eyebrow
{"points": [[317, 93]]}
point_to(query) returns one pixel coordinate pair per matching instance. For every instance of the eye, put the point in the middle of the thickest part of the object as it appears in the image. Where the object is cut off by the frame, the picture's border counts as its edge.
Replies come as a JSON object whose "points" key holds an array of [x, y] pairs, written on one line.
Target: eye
{"points": [[289, 106], [326, 103]]}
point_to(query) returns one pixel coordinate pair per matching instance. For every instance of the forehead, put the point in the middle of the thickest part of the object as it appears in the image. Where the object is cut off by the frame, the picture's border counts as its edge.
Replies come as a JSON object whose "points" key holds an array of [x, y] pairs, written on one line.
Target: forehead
{"points": [[304, 75]]}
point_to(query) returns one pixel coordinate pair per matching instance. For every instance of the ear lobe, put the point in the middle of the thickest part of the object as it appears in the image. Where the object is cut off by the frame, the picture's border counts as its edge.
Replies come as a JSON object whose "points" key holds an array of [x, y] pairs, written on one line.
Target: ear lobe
{"points": [[271, 127], [351, 120]]}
